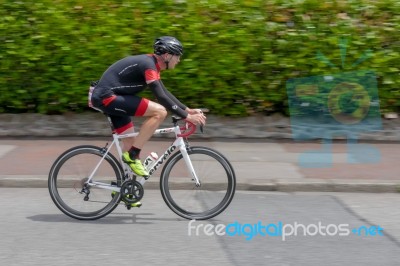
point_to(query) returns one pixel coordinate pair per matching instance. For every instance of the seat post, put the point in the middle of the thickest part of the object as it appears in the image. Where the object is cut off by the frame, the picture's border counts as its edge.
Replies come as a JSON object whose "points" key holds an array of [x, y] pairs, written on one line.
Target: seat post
{"points": [[110, 123]]}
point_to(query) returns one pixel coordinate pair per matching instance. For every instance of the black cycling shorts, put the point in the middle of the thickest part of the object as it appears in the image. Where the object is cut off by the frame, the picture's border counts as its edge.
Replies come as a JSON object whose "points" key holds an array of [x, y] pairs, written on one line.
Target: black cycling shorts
{"points": [[120, 108]]}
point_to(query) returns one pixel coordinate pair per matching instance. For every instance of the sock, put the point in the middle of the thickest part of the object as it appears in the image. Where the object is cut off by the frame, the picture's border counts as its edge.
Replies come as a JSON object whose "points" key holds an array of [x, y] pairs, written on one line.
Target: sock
{"points": [[134, 153]]}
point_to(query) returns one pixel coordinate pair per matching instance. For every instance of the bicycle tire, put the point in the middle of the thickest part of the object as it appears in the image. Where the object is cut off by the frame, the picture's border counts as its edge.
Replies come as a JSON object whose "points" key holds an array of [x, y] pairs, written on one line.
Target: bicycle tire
{"points": [[217, 179], [67, 176]]}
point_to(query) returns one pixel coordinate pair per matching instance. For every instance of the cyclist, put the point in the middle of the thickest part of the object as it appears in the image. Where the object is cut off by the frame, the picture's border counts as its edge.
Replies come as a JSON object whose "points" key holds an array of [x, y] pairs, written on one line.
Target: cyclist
{"points": [[116, 94]]}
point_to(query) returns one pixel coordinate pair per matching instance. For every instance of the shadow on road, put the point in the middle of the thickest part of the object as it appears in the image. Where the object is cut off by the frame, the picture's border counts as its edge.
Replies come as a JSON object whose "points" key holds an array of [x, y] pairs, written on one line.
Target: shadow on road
{"points": [[117, 218]]}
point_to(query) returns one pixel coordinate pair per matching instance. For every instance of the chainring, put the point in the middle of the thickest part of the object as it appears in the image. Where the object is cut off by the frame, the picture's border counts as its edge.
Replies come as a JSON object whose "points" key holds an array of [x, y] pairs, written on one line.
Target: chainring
{"points": [[131, 191]]}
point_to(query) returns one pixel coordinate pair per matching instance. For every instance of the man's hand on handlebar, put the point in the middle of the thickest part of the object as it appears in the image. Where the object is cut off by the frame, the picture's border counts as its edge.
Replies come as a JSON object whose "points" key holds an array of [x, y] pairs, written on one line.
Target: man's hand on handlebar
{"points": [[197, 118], [196, 111]]}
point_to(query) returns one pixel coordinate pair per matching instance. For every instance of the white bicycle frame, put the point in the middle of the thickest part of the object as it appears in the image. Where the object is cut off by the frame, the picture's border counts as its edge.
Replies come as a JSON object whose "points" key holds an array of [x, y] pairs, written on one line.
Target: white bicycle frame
{"points": [[178, 143]]}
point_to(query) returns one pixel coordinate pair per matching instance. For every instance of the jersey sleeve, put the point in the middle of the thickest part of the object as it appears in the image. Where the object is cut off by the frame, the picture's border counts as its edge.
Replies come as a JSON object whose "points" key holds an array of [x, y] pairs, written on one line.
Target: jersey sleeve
{"points": [[165, 99], [173, 98]]}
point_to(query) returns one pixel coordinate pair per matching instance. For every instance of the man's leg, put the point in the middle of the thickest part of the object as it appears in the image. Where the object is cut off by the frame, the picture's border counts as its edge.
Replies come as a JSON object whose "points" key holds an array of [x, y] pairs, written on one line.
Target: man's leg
{"points": [[118, 109], [156, 114]]}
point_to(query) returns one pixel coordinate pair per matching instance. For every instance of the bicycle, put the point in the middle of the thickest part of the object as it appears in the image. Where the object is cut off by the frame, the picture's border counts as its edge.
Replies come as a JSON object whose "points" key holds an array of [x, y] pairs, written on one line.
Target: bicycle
{"points": [[87, 182]]}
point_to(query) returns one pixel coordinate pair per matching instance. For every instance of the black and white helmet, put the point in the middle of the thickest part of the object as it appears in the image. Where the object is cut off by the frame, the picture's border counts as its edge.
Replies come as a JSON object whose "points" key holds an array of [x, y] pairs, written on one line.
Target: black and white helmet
{"points": [[168, 44]]}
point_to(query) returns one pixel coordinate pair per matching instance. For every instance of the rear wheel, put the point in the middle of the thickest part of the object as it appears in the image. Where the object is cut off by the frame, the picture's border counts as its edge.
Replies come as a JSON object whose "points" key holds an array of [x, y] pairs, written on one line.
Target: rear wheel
{"points": [[68, 186]]}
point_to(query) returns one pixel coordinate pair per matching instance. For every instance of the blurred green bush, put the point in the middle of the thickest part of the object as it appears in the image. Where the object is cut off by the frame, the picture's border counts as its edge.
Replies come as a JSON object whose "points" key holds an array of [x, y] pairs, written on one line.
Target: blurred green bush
{"points": [[238, 54]]}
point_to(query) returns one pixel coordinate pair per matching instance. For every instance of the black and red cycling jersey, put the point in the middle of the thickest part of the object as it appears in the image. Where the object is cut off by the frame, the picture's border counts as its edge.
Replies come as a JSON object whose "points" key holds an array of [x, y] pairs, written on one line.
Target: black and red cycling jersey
{"points": [[130, 76]]}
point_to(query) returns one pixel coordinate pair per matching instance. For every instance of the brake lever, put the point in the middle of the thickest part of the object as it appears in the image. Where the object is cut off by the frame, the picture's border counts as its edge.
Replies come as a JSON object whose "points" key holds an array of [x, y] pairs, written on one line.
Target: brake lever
{"points": [[203, 110]]}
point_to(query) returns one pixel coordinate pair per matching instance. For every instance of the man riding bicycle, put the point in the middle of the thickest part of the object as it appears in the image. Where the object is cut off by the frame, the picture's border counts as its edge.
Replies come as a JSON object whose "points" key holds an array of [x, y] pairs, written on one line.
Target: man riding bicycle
{"points": [[116, 95]]}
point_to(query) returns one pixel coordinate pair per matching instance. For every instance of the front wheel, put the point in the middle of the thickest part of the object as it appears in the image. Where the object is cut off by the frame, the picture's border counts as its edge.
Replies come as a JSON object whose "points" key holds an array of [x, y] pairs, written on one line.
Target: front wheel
{"points": [[189, 201]]}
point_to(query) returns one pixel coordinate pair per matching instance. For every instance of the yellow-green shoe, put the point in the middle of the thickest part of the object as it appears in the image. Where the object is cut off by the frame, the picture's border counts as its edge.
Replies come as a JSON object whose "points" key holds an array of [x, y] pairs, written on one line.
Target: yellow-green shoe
{"points": [[136, 204], [136, 165]]}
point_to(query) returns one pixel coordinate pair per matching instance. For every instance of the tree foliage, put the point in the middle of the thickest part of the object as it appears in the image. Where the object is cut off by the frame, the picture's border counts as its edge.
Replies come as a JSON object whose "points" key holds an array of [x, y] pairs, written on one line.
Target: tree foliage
{"points": [[238, 53]]}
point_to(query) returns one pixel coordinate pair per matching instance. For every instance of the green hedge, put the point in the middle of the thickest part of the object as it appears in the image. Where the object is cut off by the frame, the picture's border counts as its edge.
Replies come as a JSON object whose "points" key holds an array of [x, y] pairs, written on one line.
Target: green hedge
{"points": [[238, 54]]}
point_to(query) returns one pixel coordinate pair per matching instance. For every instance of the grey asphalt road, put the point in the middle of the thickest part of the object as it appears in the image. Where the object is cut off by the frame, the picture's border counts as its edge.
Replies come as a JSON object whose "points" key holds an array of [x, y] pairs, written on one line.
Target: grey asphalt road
{"points": [[34, 232]]}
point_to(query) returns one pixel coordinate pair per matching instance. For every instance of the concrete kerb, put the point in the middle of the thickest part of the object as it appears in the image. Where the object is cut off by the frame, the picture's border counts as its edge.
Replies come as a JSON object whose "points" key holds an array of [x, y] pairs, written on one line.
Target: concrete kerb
{"points": [[308, 185], [320, 185]]}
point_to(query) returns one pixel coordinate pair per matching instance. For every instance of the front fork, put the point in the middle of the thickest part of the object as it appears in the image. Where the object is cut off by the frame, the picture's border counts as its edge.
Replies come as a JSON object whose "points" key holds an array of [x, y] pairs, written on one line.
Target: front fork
{"points": [[185, 150]]}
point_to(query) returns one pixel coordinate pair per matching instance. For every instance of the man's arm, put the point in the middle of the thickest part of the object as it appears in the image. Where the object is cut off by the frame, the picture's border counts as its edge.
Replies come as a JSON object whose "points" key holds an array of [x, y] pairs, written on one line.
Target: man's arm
{"points": [[173, 98], [165, 99]]}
